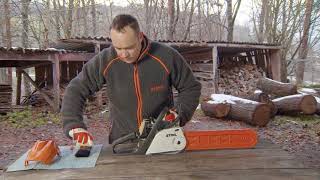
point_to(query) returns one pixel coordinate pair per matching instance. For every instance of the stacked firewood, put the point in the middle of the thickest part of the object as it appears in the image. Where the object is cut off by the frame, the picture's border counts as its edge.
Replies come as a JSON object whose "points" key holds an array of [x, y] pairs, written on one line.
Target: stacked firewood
{"points": [[5, 98], [239, 80], [272, 98]]}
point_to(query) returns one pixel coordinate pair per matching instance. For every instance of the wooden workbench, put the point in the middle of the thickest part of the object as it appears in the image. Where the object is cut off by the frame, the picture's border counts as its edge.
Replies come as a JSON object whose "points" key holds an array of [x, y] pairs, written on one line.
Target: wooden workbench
{"points": [[266, 161]]}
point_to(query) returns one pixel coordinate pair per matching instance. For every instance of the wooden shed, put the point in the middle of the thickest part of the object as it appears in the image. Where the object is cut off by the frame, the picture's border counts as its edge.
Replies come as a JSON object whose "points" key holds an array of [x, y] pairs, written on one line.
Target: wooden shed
{"points": [[205, 58], [65, 60], [49, 66]]}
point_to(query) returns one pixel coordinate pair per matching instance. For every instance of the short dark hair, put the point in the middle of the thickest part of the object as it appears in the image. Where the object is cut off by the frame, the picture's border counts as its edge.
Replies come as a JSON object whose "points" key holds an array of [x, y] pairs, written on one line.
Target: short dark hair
{"points": [[122, 20]]}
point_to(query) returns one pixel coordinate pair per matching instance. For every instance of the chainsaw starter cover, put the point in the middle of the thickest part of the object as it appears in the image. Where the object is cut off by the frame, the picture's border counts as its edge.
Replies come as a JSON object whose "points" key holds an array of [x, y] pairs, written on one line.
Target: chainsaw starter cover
{"points": [[43, 151]]}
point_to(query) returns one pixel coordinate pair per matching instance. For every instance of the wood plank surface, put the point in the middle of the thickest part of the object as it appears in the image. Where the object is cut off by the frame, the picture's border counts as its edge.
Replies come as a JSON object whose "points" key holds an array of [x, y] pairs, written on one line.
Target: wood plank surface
{"points": [[266, 161]]}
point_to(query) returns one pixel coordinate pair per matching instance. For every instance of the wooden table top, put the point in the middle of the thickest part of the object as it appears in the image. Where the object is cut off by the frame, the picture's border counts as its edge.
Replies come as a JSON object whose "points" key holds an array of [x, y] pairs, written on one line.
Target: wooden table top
{"points": [[266, 161]]}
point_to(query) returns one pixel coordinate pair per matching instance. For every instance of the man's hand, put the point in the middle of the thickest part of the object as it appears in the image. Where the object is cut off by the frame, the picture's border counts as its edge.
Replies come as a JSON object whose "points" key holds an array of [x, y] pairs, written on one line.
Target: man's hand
{"points": [[170, 119], [81, 137], [171, 116]]}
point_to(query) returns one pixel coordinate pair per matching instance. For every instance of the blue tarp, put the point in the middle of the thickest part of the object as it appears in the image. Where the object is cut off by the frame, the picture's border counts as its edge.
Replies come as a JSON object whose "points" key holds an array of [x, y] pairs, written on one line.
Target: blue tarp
{"points": [[66, 160]]}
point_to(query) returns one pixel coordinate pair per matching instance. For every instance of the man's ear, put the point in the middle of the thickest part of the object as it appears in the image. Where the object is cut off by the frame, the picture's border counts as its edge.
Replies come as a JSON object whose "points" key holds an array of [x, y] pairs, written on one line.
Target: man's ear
{"points": [[140, 35]]}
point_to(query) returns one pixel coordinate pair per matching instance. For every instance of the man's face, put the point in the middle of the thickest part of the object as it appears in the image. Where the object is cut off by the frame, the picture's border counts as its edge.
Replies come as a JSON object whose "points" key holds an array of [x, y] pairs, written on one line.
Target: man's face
{"points": [[127, 43]]}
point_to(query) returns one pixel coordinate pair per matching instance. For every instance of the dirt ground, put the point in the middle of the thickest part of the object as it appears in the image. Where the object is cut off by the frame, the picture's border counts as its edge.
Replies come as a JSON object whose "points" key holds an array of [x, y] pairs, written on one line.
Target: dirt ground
{"points": [[299, 136]]}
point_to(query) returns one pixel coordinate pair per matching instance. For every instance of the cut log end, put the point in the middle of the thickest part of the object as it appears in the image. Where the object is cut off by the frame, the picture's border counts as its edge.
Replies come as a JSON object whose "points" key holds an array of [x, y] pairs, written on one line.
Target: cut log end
{"points": [[308, 105], [215, 110], [261, 115], [222, 110]]}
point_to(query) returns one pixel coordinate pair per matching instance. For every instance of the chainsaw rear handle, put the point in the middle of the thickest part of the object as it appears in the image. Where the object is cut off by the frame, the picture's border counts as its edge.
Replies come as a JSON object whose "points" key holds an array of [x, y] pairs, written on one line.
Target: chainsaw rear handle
{"points": [[158, 125]]}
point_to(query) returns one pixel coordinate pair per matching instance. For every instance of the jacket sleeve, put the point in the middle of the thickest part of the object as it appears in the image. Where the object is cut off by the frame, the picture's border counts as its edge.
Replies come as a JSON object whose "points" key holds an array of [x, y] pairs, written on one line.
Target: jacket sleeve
{"points": [[189, 89], [86, 83]]}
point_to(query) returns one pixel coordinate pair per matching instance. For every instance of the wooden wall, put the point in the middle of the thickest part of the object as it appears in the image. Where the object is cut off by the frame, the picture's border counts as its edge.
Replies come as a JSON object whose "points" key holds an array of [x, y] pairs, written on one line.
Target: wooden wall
{"points": [[69, 70]]}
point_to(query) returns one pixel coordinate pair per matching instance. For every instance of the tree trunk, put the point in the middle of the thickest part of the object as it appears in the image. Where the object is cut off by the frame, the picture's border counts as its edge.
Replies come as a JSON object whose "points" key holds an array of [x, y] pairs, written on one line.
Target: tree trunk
{"points": [[94, 18], [217, 110], [275, 17], [283, 73], [69, 19], [304, 43], [268, 22], [277, 88], [262, 97], [199, 21], [25, 40], [8, 43], [229, 20], [25, 22], [231, 17], [171, 19], [176, 16], [46, 24], [251, 112], [2, 25], [187, 32], [56, 19], [3, 72], [147, 7], [77, 30], [293, 104], [262, 17]]}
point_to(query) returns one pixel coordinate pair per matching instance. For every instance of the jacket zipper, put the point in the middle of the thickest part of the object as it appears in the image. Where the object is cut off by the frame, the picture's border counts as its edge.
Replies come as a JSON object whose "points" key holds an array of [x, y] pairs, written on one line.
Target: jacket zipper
{"points": [[138, 94]]}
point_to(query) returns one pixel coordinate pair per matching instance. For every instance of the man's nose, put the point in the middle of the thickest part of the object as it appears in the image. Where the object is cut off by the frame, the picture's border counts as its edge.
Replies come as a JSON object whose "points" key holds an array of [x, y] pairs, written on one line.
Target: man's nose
{"points": [[123, 54]]}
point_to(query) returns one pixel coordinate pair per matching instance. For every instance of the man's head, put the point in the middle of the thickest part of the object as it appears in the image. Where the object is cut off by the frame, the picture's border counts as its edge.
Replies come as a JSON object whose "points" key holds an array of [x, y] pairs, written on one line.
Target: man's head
{"points": [[126, 37]]}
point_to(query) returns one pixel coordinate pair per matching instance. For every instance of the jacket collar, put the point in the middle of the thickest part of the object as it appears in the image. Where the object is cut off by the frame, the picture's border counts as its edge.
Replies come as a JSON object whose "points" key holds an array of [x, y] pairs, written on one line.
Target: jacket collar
{"points": [[146, 44]]}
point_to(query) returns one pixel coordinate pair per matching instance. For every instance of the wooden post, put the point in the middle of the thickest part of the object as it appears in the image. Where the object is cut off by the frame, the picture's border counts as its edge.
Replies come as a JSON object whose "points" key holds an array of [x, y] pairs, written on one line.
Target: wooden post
{"points": [[275, 61], [44, 95], [56, 82], [10, 76], [214, 69], [18, 95]]}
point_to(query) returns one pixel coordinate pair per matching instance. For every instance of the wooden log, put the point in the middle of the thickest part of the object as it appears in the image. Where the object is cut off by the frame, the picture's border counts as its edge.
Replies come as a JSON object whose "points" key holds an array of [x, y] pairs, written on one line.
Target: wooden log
{"points": [[217, 110], [298, 103], [258, 96], [310, 91], [277, 88], [251, 112], [262, 97]]}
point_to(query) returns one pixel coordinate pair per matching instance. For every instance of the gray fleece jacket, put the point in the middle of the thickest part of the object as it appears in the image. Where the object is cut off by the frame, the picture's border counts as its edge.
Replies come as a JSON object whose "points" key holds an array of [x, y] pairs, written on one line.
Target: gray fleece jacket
{"points": [[135, 91]]}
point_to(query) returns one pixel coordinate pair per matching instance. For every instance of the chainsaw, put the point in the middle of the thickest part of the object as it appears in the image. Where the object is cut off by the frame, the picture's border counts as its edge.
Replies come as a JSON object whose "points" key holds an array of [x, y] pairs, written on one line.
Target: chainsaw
{"points": [[163, 135]]}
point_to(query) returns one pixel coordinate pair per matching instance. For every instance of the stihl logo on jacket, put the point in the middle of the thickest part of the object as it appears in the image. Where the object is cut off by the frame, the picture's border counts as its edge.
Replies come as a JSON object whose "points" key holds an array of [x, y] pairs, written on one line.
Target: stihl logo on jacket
{"points": [[157, 88]]}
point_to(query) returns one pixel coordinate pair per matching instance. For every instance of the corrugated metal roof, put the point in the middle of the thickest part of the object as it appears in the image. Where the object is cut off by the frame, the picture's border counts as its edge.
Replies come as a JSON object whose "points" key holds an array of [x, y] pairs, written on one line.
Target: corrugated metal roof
{"points": [[215, 41], [36, 50], [101, 38], [97, 38]]}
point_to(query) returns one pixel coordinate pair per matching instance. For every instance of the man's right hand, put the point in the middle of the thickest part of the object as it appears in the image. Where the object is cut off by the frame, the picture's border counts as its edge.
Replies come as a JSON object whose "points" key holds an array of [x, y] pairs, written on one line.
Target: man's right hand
{"points": [[81, 137]]}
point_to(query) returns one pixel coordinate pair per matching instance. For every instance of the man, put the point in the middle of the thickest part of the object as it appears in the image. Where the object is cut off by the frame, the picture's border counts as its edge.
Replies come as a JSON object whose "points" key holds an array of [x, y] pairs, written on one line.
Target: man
{"points": [[139, 75]]}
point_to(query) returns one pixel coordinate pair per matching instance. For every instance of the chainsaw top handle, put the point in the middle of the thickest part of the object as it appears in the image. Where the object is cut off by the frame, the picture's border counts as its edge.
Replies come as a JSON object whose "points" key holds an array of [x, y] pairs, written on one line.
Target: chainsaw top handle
{"points": [[143, 144]]}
